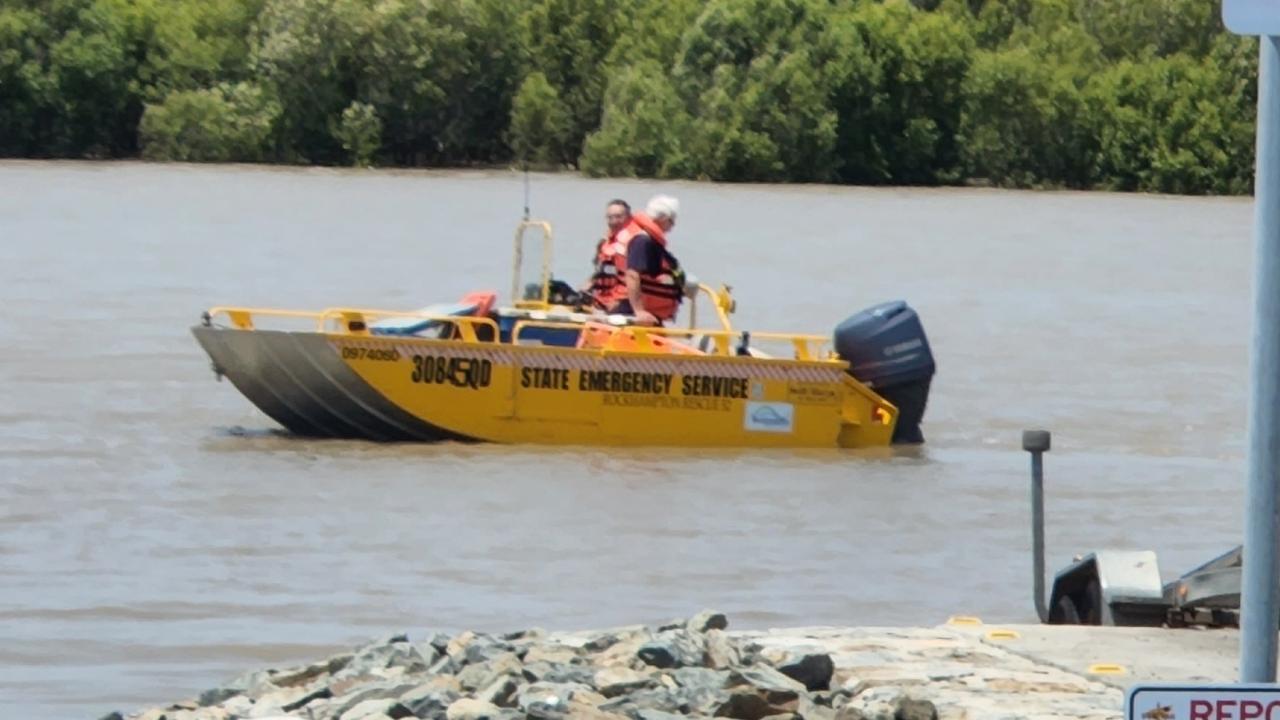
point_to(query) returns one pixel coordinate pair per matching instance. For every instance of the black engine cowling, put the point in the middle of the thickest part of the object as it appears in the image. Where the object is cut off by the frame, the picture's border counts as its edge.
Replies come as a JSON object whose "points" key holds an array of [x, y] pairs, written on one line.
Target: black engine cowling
{"points": [[887, 350]]}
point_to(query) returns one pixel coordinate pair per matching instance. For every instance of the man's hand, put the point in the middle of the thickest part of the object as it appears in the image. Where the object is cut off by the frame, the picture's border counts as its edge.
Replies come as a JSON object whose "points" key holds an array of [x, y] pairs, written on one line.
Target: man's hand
{"points": [[644, 317]]}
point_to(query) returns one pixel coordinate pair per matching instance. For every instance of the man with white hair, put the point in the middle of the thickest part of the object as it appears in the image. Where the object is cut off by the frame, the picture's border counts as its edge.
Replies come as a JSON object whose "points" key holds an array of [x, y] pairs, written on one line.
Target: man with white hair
{"points": [[652, 286]]}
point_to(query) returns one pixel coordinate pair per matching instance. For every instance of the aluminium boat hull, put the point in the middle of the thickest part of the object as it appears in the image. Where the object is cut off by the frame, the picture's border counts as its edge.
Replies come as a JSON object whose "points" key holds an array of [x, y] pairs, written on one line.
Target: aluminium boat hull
{"points": [[342, 385]]}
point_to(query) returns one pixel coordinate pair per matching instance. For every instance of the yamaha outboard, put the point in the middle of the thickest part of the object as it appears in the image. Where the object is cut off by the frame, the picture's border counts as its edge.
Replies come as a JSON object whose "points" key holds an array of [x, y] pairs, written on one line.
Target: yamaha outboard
{"points": [[887, 351]]}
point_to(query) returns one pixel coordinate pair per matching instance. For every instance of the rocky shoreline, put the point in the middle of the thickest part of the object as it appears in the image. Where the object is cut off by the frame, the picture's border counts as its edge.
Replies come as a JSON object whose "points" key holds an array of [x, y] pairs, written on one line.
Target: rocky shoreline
{"points": [[688, 668]]}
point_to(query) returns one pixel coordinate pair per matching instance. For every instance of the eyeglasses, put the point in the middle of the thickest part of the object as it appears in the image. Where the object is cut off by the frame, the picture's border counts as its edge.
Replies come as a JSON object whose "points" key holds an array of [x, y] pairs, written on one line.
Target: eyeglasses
{"points": [[615, 216]]}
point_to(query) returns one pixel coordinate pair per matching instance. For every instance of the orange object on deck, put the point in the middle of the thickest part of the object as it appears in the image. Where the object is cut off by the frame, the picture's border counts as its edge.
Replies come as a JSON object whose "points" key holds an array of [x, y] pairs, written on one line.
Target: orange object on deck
{"points": [[483, 300], [598, 336]]}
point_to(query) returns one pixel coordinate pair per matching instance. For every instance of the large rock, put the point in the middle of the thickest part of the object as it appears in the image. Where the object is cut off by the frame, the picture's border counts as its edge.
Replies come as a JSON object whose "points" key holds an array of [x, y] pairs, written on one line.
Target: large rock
{"points": [[649, 714], [551, 653], [810, 710], [541, 697], [437, 641], [370, 708], [605, 640], [701, 702], [763, 677], [674, 649], [481, 675], [530, 635], [471, 648], [813, 670], [384, 690], [663, 699], [747, 704], [722, 653], [877, 703], [432, 698], [698, 691], [472, 709], [914, 709], [252, 685], [759, 691], [457, 645], [374, 659], [700, 678], [558, 673], [587, 697], [501, 691], [624, 652], [281, 702], [239, 706], [298, 702], [308, 674], [707, 620], [590, 713], [445, 665], [615, 681]]}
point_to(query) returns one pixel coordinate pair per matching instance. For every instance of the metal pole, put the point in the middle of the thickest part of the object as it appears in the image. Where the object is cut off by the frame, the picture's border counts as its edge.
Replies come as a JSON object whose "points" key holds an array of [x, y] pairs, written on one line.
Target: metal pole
{"points": [[1036, 442], [1260, 594]]}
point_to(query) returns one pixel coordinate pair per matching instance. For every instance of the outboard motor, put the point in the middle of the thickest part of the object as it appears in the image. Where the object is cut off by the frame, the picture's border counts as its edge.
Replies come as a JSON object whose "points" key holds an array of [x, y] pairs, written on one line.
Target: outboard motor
{"points": [[887, 351]]}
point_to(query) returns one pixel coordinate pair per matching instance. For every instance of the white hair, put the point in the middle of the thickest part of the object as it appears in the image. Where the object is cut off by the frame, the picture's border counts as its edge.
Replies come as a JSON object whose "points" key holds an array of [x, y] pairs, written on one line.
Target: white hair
{"points": [[661, 206]]}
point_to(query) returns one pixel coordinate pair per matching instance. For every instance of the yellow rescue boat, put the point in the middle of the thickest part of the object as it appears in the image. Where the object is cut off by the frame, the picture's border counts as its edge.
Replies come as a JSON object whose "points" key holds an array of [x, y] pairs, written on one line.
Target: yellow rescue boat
{"points": [[540, 371]]}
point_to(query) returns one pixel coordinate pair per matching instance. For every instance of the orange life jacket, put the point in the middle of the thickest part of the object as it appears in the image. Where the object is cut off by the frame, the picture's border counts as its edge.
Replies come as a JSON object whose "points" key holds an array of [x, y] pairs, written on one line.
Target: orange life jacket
{"points": [[661, 293], [606, 277]]}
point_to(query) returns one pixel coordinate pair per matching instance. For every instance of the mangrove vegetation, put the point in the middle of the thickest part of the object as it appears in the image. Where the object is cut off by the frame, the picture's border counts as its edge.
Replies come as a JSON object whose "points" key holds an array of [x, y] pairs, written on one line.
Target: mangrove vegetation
{"points": [[1149, 95]]}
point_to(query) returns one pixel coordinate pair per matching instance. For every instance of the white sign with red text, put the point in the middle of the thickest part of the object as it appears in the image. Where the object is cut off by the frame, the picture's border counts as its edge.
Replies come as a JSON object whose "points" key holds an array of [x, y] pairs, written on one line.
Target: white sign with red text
{"points": [[1203, 702]]}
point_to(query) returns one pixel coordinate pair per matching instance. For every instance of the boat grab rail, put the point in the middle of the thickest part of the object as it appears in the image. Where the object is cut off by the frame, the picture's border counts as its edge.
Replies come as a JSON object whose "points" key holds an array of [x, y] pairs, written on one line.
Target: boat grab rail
{"points": [[355, 321], [806, 346], [544, 276], [721, 301]]}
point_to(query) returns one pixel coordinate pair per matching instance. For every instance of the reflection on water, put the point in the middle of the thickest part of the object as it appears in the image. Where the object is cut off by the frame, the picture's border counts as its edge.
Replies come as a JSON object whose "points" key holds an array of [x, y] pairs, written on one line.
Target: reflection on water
{"points": [[158, 534]]}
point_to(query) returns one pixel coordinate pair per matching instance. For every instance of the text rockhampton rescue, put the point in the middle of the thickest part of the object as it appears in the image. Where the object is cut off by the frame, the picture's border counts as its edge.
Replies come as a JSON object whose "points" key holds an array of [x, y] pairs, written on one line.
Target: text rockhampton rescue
{"points": [[634, 382]]}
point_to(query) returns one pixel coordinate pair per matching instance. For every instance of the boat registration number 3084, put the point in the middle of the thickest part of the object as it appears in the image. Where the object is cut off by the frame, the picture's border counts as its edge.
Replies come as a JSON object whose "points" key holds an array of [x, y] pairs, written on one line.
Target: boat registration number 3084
{"points": [[474, 373]]}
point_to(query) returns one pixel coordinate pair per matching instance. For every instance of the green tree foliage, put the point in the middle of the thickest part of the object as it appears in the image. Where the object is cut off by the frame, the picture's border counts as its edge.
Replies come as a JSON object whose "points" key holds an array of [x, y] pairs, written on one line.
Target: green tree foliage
{"points": [[540, 128], [900, 107], [759, 99], [1025, 122], [228, 122], [1199, 144], [1149, 95], [75, 74], [567, 42], [360, 131], [643, 127]]}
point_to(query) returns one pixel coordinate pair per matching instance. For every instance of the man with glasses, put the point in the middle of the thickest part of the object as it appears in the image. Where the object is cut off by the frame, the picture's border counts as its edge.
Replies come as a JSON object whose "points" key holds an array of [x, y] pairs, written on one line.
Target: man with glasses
{"points": [[605, 280]]}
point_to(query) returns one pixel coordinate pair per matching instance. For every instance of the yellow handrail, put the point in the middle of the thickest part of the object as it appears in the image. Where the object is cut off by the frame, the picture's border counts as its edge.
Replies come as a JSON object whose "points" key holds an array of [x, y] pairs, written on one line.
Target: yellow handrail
{"points": [[723, 339], [721, 301], [242, 318], [518, 263], [354, 321]]}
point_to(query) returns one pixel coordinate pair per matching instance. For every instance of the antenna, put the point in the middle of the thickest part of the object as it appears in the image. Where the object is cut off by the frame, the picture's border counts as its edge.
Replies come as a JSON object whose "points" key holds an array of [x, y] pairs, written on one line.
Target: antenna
{"points": [[525, 164]]}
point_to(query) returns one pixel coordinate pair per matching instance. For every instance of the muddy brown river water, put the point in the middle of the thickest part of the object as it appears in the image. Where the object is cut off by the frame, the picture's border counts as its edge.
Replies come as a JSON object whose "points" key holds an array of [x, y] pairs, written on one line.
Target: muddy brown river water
{"points": [[157, 536]]}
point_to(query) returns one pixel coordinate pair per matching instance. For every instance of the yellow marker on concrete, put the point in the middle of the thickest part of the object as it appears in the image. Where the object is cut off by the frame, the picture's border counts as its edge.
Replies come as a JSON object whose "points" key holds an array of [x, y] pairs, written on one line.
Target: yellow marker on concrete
{"points": [[1003, 635], [964, 620], [1106, 669]]}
